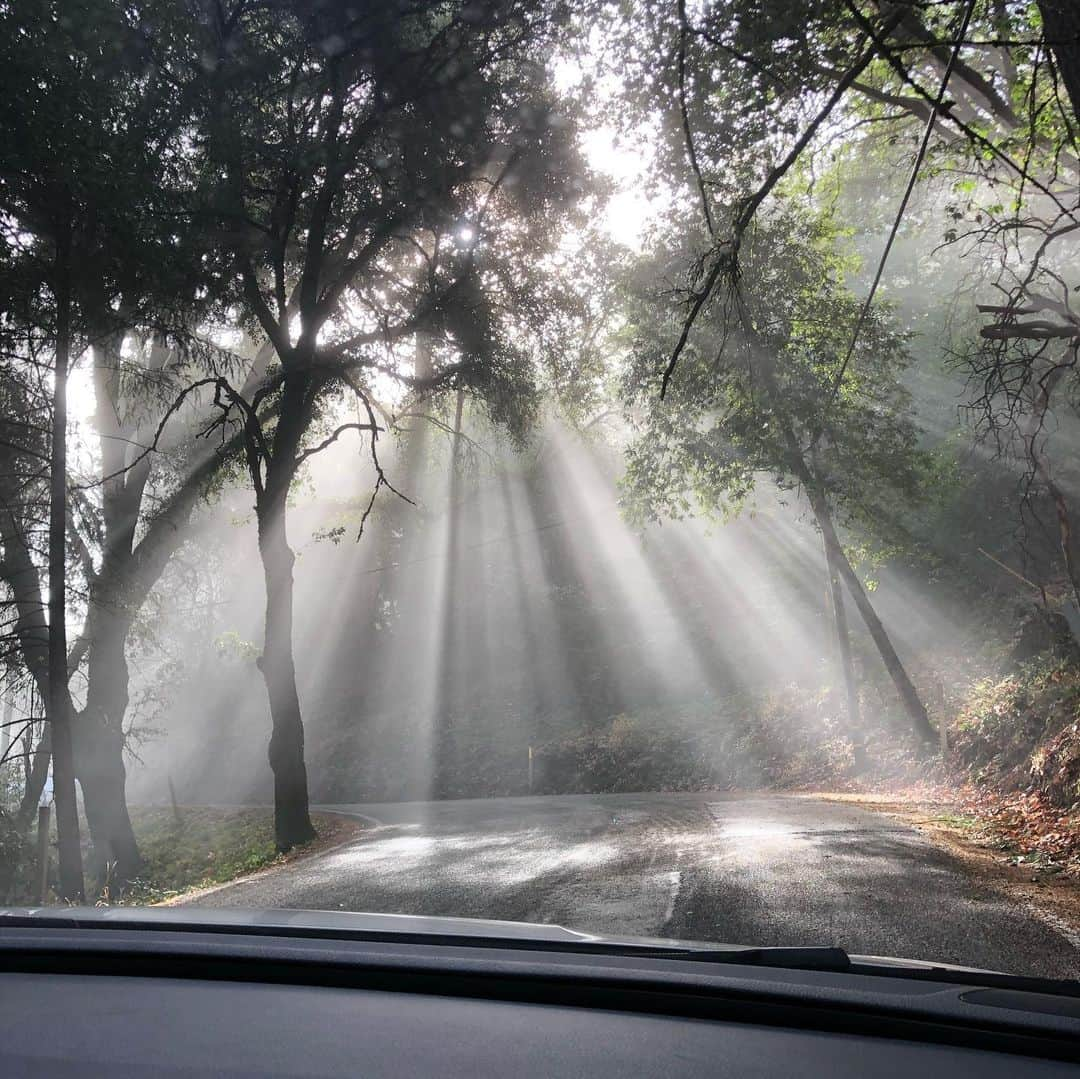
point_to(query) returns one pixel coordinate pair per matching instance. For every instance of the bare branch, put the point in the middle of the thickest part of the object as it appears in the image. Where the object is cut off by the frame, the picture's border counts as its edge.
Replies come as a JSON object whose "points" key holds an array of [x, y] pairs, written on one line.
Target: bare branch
{"points": [[687, 130], [332, 438], [380, 476]]}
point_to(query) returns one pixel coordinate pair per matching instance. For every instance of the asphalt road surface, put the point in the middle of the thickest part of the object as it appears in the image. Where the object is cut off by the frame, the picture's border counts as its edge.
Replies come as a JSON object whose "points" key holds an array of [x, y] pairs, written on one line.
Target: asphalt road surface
{"points": [[768, 870]]}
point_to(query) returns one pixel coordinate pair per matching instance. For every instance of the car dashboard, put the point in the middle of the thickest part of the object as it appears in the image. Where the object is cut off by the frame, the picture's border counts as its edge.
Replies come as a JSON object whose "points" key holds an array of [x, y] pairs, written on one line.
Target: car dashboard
{"points": [[139, 1000]]}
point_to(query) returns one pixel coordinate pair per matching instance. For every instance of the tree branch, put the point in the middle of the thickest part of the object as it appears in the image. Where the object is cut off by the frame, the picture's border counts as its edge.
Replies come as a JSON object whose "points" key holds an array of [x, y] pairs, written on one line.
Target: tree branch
{"points": [[726, 259]]}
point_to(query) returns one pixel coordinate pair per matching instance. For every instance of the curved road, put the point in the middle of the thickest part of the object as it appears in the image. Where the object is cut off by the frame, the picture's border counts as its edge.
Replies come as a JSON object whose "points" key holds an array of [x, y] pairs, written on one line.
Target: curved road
{"points": [[757, 870]]}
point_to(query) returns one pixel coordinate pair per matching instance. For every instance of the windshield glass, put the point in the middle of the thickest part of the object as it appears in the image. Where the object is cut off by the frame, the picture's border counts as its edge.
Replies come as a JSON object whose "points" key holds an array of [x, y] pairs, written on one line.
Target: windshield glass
{"points": [[610, 465]]}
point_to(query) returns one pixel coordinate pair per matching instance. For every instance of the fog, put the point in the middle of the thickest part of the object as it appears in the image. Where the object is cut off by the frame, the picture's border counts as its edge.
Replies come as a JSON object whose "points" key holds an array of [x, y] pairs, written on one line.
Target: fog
{"points": [[511, 606]]}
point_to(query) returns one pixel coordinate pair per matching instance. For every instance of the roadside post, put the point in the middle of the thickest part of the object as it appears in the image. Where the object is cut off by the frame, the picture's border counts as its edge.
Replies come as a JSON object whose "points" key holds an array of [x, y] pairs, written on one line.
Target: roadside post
{"points": [[44, 806], [938, 691], [530, 769]]}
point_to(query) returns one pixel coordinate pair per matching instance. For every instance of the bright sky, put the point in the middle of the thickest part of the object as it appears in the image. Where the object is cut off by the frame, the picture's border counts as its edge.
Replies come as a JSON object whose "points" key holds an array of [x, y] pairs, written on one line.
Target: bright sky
{"points": [[629, 211], [620, 157]]}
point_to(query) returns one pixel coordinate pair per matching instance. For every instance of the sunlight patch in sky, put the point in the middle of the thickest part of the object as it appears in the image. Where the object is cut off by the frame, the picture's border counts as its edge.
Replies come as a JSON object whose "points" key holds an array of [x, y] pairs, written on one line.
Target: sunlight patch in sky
{"points": [[630, 211]]}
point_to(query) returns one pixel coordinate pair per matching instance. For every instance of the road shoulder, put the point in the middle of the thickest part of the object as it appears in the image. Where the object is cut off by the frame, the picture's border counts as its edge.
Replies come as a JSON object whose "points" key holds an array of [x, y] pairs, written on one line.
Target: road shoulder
{"points": [[336, 831], [1053, 899]]}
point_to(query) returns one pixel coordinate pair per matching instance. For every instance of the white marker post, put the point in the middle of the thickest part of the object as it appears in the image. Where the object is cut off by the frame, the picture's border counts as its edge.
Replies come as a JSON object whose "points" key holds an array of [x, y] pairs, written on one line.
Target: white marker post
{"points": [[43, 837]]}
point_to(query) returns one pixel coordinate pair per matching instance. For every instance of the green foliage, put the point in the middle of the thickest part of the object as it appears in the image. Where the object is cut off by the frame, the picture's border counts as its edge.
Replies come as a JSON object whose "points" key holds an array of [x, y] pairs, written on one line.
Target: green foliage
{"points": [[94, 131], [779, 400], [409, 159]]}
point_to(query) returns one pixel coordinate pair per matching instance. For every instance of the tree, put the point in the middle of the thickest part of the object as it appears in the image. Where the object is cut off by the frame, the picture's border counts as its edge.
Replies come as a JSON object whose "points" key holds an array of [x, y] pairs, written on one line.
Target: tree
{"points": [[24, 467], [357, 166], [49, 285], [985, 91], [50, 197], [764, 388], [1023, 365], [100, 127]]}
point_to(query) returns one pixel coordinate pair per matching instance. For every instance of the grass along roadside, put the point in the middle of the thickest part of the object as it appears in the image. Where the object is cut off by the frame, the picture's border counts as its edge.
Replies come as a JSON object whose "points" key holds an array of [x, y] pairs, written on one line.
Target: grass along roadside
{"points": [[199, 847]]}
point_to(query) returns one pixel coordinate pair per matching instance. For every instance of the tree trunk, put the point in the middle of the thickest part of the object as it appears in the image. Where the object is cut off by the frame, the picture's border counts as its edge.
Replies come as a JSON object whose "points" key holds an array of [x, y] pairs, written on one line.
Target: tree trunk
{"points": [[27, 753], [59, 702], [909, 696], [450, 668], [797, 462], [6, 734], [99, 732], [116, 859], [843, 638], [1061, 24], [31, 630], [412, 465], [847, 662], [292, 821], [36, 772], [99, 741], [455, 450], [128, 573]]}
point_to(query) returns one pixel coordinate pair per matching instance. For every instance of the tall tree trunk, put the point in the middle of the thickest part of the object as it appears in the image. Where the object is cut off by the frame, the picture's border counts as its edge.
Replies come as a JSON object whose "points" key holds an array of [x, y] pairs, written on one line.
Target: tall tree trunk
{"points": [[843, 638], [99, 732], [128, 573], [99, 743], [412, 464], [28, 752], [31, 630], [451, 642], [36, 769], [292, 819], [909, 696], [801, 469], [1061, 24], [6, 734], [455, 449], [59, 702], [847, 662]]}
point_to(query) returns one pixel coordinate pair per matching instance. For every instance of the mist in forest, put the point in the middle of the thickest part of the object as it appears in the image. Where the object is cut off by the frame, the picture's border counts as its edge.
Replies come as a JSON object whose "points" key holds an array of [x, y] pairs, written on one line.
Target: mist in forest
{"points": [[511, 606]]}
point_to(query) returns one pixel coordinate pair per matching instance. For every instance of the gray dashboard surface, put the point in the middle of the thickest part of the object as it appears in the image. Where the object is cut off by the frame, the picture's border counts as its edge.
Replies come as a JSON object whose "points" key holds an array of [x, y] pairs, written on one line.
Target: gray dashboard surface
{"points": [[78, 1025]]}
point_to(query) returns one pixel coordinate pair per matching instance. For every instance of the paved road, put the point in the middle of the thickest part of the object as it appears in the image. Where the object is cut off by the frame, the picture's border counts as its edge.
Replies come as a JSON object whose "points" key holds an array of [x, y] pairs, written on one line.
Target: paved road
{"points": [[769, 870]]}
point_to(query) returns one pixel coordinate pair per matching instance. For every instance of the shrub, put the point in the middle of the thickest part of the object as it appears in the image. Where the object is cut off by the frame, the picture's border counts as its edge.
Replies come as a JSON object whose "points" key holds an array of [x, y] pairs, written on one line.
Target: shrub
{"points": [[1022, 732]]}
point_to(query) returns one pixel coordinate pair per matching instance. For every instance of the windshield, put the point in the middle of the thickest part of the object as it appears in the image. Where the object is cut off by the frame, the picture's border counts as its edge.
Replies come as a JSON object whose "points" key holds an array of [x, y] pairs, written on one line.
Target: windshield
{"points": [[609, 465]]}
